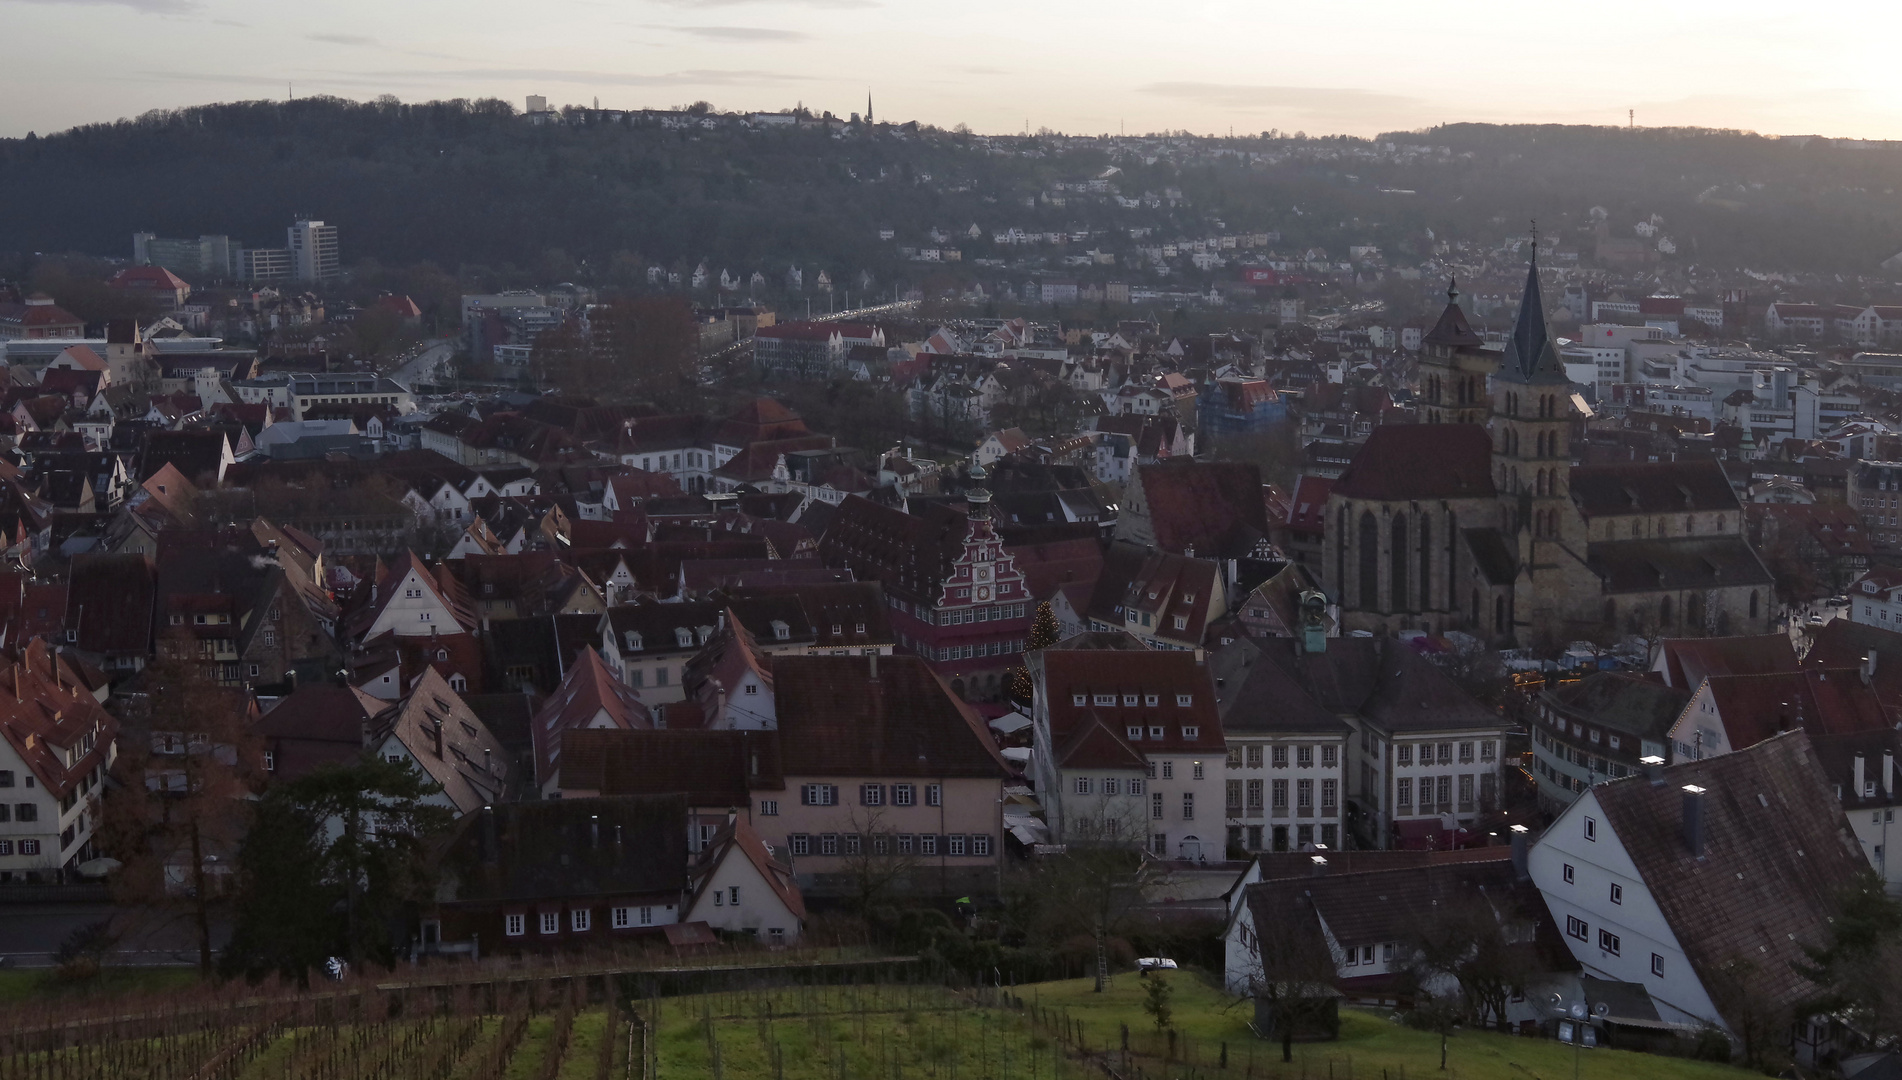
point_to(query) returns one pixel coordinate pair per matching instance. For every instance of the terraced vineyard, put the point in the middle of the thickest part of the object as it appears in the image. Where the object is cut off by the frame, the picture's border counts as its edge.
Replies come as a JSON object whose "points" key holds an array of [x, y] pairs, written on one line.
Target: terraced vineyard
{"points": [[337, 1037]]}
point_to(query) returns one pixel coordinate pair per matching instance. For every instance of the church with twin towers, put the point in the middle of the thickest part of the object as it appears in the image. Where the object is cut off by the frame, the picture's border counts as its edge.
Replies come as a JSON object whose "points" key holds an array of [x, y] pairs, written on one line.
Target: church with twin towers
{"points": [[1481, 517]]}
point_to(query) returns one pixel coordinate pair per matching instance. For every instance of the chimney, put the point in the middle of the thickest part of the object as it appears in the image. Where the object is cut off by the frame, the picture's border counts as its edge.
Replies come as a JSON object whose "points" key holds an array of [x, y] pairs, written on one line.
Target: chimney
{"points": [[488, 761], [752, 764], [1653, 769], [1694, 820], [874, 659], [594, 830], [435, 726], [1520, 870], [1859, 767], [1888, 773], [1869, 667], [491, 846], [1317, 866]]}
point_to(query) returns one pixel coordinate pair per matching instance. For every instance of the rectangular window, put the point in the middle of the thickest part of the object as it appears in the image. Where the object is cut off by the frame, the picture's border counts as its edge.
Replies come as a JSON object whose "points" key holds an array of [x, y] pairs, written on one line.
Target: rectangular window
{"points": [[1159, 844], [1280, 757], [954, 845], [551, 922], [828, 843], [1576, 927], [580, 920], [1254, 757], [29, 847], [1281, 796], [1489, 750], [1329, 794], [1155, 806], [800, 843], [1403, 793], [1195, 771], [1617, 893], [819, 794], [1404, 753], [927, 844], [980, 844], [1304, 757], [1446, 790], [871, 795], [1466, 753], [903, 794], [1082, 785], [1304, 794], [621, 918], [1657, 965], [904, 843], [1330, 756], [1168, 770], [1591, 829], [1569, 873], [515, 925], [1466, 791], [1608, 942], [852, 843], [934, 795], [1254, 796], [769, 807], [1188, 806], [1135, 787], [1234, 757]]}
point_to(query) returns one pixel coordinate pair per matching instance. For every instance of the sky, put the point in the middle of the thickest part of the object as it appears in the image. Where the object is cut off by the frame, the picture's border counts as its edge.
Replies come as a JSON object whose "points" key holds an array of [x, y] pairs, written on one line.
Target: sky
{"points": [[1207, 66]]}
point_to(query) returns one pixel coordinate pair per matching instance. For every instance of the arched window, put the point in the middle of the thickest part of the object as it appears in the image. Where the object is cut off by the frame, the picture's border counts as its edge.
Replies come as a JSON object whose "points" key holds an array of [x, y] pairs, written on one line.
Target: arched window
{"points": [[1369, 562], [1665, 616], [1397, 555], [1426, 562], [1690, 524]]}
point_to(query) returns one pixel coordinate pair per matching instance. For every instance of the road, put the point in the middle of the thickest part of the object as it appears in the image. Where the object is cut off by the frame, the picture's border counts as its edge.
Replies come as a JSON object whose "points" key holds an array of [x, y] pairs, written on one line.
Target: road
{"points": [[30, 934], [424, 366]]}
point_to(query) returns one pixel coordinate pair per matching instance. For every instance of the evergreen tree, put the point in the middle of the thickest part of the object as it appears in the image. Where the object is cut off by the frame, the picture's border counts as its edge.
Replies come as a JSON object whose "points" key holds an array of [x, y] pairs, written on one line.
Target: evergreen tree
{"points": [[1043, 634], [332, 868]]}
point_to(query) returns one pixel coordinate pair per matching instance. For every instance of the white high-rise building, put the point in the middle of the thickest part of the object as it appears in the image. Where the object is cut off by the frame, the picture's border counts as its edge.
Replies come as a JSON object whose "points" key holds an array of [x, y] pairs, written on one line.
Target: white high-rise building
{"points": [[313, 247]]}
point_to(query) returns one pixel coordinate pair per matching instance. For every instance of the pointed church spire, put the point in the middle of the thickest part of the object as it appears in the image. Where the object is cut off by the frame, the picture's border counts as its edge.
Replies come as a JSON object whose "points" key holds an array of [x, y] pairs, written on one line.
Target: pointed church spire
{"points": [[868, 106], [1530, 355]]}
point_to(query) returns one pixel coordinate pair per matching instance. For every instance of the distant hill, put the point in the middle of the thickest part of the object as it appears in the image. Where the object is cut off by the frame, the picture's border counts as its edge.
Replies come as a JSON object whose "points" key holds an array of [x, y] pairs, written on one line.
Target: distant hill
{"points": [[472, 185]]}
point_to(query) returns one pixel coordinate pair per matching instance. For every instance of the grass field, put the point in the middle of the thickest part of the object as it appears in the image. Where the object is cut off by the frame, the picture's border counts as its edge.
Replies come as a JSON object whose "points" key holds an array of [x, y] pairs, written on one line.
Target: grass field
{"points": [[21, 985], [1371, 1045]]}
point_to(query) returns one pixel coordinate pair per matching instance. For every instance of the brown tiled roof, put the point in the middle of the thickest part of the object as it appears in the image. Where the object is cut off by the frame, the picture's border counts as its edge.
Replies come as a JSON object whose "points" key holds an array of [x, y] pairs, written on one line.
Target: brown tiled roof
{"points": [[836, 718], [1686, 662], [1421, 461], [1662, 487], [317, 724], [1383, 680], [45, 712], [1778, 855], [1452, 329], [740, 839], [589, 696], [1067, 672], [1257, 696], [1212, 508], [711, 768], [1693, 562], [567, 848], [1093, 744], [1827, 702], [109, 603]]}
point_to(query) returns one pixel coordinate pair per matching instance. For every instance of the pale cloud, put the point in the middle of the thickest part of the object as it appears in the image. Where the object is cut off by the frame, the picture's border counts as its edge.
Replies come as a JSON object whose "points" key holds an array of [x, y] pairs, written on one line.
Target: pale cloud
{"points": [[149, 7], [738, 33], [341, 39], [1303, 99], [695, 77], [795, 3]]}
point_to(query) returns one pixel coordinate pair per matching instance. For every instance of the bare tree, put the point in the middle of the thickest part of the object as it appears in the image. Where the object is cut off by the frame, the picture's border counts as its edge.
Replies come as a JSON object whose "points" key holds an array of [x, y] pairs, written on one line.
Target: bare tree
{"points": [[1290, 972], [872, 865], [1469, 941]]}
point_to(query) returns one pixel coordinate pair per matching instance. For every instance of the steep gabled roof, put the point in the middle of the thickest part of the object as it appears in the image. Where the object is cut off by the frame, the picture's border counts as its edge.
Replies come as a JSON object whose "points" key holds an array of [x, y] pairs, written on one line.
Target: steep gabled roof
{"points": [[738, 840], [876, 716], [1420, 461], [589, 697], [1453, 331], [1530, 355], [1777, 857]]}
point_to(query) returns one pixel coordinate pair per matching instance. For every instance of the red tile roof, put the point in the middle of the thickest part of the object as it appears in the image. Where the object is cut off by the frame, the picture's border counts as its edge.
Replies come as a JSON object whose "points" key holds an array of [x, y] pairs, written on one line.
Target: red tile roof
{"points": [[836, 718], [589, 696], [1421, 461]]}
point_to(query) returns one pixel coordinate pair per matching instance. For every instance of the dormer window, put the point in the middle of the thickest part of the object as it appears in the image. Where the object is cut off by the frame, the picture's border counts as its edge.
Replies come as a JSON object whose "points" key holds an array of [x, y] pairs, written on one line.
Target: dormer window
{"points": [[1078, 699], [633, 641], [1188, 598], [1134, 731], [683, 637], [1155, 732], [1106, 699], [781, 631], [837, 629], [1152, 700], [1191, 732], [1184, 700], [702, 633], [1129, 700]]}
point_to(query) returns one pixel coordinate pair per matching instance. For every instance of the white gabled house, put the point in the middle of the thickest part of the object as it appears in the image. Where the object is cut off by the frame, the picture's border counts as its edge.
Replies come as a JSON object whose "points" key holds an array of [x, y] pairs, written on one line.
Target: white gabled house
{"points": [[1703, 882], [739, 885]]}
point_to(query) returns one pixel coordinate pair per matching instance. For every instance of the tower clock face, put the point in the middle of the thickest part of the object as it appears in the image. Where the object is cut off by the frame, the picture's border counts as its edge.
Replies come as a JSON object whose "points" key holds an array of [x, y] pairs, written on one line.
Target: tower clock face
{"points": [[983, 592]]}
